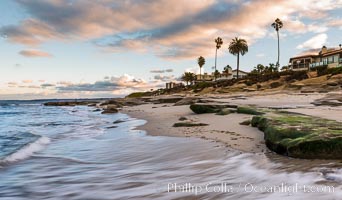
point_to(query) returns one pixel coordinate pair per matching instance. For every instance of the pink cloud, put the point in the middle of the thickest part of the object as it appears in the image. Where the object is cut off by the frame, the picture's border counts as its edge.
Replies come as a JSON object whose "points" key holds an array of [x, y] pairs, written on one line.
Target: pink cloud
{"points": [[181, 29], [34, 53]]}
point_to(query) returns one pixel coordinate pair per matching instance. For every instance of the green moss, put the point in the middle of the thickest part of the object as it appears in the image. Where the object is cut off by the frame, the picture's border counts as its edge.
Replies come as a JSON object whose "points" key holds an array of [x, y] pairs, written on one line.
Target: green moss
{"points": [[200, 109], [301, 136], [248, 110], [224, 111]]}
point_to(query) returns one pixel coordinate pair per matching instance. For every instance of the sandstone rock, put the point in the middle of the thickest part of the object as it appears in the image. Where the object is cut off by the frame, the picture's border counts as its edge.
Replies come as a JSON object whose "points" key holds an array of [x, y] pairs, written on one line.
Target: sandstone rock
{"points": [[168, 100], [188, 124], [119, 121], [110, 111], [275, 84], [182, 119], [329, 100], [187, 101], [332, 83], [200, 108], [225, 111], [301, 136]]}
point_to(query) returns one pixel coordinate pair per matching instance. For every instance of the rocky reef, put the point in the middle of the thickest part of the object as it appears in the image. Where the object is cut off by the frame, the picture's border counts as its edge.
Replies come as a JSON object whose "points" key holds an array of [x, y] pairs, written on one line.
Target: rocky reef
{"points": [[301, 136]]}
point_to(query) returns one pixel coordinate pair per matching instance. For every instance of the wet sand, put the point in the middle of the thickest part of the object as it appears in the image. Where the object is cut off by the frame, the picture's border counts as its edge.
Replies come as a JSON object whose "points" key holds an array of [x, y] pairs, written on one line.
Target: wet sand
{"points": [[226, 129]]}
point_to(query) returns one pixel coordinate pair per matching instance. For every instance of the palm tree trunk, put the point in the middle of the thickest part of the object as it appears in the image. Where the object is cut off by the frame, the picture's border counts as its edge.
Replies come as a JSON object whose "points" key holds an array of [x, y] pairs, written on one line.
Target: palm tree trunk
{"points": [[238, 63], [278, 49], [200, 73], [215, 64]]}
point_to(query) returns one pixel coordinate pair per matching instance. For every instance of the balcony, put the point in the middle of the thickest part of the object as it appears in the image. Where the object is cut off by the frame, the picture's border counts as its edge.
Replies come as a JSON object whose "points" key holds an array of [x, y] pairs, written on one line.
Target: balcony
{"points": [[318, 64], [300, 66]]}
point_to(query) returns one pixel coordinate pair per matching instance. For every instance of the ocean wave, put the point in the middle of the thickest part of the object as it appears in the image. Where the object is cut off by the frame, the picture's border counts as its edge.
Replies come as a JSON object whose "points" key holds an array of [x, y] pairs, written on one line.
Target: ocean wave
{"points": [[27, 150]]}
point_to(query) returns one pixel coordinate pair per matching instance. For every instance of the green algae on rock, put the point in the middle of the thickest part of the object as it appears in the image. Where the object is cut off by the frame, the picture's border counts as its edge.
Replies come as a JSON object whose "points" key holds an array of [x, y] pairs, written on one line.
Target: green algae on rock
{"points": [[301, 136]]}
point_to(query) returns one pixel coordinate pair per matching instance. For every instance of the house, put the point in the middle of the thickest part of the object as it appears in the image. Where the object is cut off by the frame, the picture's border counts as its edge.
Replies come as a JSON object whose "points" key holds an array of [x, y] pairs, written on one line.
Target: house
{"points": [[171, 85], [230, 74], [326, 57], [205, 77], [242, 74], [225, 75]]}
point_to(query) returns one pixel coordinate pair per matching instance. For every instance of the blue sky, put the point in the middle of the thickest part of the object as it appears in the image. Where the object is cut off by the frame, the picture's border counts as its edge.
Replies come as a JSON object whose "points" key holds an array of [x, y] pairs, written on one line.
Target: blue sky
{"points": [[74, 48]]}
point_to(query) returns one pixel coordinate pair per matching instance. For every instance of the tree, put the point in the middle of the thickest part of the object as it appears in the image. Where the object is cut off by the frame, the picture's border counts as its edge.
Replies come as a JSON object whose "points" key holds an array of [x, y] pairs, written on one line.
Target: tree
{"points": [[260, 68], [284, 68], [226, 69], [216, 74], [188, 77], [236, 47], [277, 25], [219, 43], [201, 62]]}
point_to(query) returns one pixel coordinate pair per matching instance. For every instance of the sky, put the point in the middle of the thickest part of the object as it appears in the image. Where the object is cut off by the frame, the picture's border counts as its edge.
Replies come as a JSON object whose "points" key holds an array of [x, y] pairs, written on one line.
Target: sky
{"points": [[109, 48]]}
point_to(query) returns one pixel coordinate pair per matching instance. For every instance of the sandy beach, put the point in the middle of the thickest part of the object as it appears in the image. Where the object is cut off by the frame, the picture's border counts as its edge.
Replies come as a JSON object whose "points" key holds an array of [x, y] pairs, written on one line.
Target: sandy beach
{"points": [[226, 129]]}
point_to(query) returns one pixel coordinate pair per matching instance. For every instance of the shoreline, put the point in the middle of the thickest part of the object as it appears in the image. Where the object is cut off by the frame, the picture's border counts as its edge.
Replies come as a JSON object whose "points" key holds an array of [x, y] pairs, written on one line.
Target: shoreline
{"points": [[226, 129], [238, 137]]}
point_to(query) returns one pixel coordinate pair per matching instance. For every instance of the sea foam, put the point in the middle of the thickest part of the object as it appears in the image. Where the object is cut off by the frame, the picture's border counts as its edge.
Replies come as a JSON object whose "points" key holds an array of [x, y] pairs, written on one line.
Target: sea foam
{"points": [[27, 150]]}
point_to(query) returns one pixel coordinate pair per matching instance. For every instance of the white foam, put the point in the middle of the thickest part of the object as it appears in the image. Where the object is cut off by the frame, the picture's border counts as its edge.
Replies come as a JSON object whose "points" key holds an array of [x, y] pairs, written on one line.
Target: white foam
{"points": [[28, 150]]}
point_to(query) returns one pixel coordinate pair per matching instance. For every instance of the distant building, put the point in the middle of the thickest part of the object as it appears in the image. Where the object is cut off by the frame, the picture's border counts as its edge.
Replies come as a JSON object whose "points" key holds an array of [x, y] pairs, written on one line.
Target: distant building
{"points": [[231, 74], [204, 77], [326, 57], [171, 85], [225, 75]]}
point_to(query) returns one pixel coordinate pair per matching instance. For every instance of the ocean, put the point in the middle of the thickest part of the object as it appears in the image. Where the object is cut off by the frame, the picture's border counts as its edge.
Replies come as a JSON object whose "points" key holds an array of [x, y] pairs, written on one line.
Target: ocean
{"points": [[76, 153]]}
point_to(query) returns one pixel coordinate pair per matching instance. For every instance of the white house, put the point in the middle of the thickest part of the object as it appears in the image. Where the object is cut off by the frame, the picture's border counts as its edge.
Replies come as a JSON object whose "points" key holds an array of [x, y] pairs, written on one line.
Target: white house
{"points": [[231, 74], [326, 57]]}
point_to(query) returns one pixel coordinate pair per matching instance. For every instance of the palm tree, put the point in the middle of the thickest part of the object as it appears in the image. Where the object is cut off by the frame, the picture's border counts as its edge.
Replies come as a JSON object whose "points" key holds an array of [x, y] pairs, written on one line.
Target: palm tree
{"points": [[260, 68], [277, 24], [188, 77], [219, 43], [236, 47], [192, 78], [226, 69], [201, 62]]}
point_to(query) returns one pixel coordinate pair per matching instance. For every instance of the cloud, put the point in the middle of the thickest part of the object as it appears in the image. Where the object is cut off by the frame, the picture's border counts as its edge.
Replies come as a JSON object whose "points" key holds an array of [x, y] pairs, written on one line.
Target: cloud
{"points": [[172, 30], [29, 86], [164, 78], [27, 81], [160, 71], [315, 42], [112, 84], [34, 53], [12, 84], [335, 23], [298, 27], [46, 85]]}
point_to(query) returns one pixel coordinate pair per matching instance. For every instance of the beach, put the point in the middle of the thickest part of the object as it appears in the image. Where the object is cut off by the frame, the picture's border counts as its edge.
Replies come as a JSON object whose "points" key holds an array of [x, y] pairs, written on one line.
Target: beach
{"points": [[226, 129]]}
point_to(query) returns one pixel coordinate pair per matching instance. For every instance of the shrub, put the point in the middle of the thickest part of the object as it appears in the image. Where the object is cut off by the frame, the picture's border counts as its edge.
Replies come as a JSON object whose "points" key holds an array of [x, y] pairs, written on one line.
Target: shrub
{"points": [[335, 70], [322, 70], [138, 94], [202, 85], [294, 75]]}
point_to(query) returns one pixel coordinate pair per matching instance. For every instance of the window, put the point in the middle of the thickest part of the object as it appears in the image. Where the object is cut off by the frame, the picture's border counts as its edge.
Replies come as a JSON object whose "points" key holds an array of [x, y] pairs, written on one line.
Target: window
{"points": [[335, 58], [330, 59], [325, 61]]}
